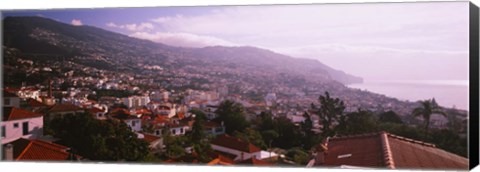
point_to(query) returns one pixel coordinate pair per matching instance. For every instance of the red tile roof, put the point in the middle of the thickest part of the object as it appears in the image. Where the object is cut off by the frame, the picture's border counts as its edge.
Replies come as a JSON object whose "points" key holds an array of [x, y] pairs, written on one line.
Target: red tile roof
{"points": [[221, 160], [67, 107], [255, 162], [143, 111], [234, 143], [24, 149], [150, 138], [95, 110], [387, 150], [12, 113], [35, 103]]}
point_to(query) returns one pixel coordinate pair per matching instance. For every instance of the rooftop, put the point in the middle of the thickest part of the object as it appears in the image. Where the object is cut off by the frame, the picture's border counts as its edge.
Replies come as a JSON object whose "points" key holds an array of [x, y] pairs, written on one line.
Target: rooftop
{"points": [[12, 113], [234, 143], [391, 151], [24, 149]]}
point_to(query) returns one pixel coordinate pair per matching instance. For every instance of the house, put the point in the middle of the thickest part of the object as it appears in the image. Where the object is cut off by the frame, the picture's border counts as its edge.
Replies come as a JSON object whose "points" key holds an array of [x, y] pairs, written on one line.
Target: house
{"points": [[10, 99], [98, 113], [210, 112], [155, 142], [18, 123], [165, 110], [178, 128], [239, 149], [60, 110], [214, 128], [385, 150], [134, 122], [36, 150]]}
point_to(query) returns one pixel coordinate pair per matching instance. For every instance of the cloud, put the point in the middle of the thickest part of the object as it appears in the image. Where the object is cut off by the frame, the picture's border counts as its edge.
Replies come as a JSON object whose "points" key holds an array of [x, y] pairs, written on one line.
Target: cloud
{"points": [[76, 22], [428, 40], [133, 27], [182, 39]]}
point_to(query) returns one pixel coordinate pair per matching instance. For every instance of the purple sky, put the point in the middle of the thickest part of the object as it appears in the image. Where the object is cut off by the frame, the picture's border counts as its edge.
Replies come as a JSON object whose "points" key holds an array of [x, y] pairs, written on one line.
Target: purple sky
{"points": [[397, 41]]}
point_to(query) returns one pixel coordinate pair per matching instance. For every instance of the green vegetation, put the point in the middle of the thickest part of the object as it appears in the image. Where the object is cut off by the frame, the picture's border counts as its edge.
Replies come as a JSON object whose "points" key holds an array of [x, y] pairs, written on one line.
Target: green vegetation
{"points": [[429, 107], [233, 116], [107, 140], [330, 112]]}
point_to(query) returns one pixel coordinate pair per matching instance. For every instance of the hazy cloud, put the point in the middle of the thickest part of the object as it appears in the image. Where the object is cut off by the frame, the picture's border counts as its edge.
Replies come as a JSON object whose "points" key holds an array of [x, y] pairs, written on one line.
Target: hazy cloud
{"points": [[427, 40], [76, 22], [132, 27], [182, 39]]}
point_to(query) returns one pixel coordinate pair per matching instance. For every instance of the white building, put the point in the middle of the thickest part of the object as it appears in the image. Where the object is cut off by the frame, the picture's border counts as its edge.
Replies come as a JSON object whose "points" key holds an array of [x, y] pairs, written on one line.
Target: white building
{"points": [[19, 123], [136, 101], [242, 150], [270, 99]]}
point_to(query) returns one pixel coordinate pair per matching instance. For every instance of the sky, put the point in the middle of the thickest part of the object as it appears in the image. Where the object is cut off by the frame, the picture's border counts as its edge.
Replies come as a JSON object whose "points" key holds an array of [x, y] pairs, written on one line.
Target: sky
{"points": [[376, 41]]}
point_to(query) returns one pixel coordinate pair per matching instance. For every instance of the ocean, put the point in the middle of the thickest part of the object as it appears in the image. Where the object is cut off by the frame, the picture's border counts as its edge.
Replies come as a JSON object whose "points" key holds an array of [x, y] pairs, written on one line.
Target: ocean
{"points": [[447, 93]]}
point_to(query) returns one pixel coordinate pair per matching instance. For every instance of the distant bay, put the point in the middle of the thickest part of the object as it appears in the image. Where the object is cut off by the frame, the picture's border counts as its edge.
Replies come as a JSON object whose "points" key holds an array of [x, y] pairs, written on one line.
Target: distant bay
{"points": [[447, 93]]}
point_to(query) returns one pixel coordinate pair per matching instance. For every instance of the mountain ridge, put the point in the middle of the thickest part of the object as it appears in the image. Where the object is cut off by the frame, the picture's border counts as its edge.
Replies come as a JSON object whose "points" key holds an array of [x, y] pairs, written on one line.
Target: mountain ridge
{"points": [[16, 27]]}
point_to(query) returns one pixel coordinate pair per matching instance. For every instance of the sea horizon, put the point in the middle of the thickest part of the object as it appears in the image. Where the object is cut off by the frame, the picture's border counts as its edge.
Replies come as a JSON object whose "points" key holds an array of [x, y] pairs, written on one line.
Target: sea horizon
{"points": [[447, 93]]}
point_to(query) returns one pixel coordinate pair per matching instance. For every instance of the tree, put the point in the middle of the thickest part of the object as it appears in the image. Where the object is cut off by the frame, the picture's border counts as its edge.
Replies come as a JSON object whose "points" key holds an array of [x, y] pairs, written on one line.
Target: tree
{"points": [[251, 136], [289, 135], [298, 156], [198, 130], [330, 111], [309, 138], [198, 137], [108, 140], [233, 116], [390, 117], [358, 123], [428, 108]]}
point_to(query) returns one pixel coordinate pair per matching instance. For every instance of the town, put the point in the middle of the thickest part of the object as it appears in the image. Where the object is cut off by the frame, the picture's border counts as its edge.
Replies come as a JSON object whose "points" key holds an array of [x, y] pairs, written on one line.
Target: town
{"points": [[106, 97]]}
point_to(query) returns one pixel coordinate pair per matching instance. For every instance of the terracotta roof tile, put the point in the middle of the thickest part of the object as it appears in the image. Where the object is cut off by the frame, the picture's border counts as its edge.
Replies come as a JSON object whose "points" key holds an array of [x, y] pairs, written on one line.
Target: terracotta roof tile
{"points": [[150, 138], [64, 108], [387, 150], [35, 103], [39, 150], [95, 110], [234, 143], [255, 162], [12, 113]]}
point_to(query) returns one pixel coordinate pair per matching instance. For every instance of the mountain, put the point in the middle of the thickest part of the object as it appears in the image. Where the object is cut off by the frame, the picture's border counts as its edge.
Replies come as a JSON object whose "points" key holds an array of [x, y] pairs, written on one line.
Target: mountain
{"points": [[49, 38]]}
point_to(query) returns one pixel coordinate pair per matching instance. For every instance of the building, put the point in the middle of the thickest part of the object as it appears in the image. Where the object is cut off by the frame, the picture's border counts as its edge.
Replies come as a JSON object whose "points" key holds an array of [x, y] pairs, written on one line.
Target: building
{"points": [[18, 123], [155, 142], [98, 113], [133, 122], [136, 101], [60, 110], [10, 100], [214, 128], [25, 92], [238, 149], [36, 150], [385, 150]]}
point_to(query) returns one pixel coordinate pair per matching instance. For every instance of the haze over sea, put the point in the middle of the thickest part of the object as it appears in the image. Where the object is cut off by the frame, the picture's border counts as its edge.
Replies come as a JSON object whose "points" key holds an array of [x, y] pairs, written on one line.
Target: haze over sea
{"points": [[447, 93]]}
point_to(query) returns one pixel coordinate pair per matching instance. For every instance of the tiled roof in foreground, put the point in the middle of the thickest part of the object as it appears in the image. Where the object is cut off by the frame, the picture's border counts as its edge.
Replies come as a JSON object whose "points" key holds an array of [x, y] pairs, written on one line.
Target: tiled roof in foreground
{"points": [[385, 150], [27, 150]]}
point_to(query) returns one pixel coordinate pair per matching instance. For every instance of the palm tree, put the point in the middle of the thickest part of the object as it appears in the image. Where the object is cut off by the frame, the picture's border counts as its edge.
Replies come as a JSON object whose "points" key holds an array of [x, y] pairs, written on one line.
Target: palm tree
{"points": [[428, 108]]}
